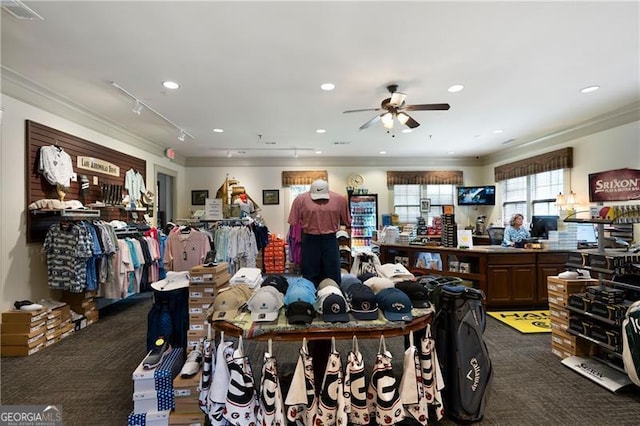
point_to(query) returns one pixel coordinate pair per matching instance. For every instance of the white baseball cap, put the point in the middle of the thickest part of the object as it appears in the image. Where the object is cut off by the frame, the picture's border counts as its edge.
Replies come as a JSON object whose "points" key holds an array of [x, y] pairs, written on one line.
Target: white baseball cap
{"points": [[319, 190], [265, 304]]}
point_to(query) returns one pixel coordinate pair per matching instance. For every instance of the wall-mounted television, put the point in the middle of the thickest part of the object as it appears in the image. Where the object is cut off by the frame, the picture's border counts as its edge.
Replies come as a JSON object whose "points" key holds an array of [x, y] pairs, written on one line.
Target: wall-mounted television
{"points": [[477, 195]]}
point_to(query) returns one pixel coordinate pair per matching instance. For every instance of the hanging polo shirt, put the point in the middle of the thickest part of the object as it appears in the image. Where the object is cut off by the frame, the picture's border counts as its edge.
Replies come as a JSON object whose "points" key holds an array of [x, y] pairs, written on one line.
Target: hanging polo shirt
{"points": [[320, 217]]}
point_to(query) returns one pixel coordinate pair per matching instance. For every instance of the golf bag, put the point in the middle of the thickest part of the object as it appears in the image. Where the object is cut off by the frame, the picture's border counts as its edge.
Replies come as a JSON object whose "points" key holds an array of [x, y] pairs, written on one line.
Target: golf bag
{"points": [[631, 342], [459, 323]]}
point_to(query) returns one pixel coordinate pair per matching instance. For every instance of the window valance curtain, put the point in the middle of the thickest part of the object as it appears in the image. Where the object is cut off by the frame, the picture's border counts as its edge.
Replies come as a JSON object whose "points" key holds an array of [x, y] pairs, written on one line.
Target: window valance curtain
{"points": [[560, 159], [440, 177], [302, 177]]}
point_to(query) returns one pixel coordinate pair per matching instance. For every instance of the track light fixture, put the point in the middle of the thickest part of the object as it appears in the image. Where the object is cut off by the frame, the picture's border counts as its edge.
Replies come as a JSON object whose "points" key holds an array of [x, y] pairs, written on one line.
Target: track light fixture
{"points": [[139, 105], [228, 154], [295, 153]]}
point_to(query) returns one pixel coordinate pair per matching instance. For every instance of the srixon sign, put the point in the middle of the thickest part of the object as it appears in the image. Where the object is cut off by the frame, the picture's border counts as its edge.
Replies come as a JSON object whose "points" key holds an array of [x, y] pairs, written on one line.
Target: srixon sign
{"points": [[615, 185]]}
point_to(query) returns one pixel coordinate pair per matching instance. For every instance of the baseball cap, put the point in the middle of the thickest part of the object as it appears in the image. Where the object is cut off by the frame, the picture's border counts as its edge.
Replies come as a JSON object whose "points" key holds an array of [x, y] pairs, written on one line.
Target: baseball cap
{"points": [[362, 301], [395, 270], [395, 305], [377, 284], [300, 290], [347, 280], [327, 282], [319, 190], [227, 303], [366, 276], [299, 313], [265, 304], [277, 281], [332, 305], [342, 234], [417, 293]]}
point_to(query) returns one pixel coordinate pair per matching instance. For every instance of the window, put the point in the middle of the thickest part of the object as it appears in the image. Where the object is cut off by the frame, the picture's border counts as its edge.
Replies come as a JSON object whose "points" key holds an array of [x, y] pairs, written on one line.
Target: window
{"points": [[538, 190], [406, 201], [295, 190]]}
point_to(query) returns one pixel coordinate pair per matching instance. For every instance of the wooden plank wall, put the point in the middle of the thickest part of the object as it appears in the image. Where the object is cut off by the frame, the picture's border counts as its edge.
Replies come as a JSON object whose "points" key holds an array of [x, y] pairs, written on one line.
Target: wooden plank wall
{"points": [[39, 135]]}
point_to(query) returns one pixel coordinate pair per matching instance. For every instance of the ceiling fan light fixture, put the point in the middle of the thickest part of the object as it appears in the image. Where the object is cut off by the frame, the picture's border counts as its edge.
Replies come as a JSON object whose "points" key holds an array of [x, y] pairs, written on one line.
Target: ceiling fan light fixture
{"points": [[387, 120], [403, 118]]}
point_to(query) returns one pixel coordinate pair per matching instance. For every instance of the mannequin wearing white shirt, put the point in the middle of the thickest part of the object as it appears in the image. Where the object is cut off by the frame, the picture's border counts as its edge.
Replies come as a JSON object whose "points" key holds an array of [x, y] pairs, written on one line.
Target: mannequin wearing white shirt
{"points": [[246, 205]]}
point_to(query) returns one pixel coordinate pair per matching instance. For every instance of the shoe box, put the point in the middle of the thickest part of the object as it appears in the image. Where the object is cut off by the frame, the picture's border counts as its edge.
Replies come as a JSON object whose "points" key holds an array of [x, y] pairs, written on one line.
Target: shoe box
{"points": [[151, 418], [82, 304], [205, 282], [153, 388], [23, 332], [560, 294], [186, 419], [185, 392]]}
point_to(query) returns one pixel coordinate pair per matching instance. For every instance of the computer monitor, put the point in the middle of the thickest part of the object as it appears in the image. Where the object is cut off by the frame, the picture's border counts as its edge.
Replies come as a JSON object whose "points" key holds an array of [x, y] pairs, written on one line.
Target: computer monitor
{"points": [[541, 225], [587, 233]]}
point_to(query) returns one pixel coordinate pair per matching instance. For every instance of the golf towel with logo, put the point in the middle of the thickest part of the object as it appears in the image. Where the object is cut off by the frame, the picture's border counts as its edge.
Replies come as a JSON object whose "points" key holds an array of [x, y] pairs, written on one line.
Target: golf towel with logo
{"points": [[432, 379], [411, 389], [301, 401], [271, 404], [355, 388], [242, 399], [331, 407], [383, 389], [631, 342]]}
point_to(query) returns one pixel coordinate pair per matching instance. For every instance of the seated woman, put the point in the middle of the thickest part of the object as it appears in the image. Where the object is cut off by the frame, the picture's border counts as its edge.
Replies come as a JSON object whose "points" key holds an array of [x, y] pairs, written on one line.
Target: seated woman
{"points": [[515, 233]]}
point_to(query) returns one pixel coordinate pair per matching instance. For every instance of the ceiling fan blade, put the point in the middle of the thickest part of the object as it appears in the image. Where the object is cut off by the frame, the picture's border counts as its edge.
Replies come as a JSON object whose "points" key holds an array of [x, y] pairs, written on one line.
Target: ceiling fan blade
{"points": [[361, 110], [397, 98], [370, 122], [427, 107], [411, 123]]}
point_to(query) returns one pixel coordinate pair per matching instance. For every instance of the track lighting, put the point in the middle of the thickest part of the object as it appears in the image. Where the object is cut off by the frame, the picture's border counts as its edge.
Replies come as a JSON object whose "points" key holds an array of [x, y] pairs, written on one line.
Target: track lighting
{"points": [[295, 153], [228, 154], [139, 105]]}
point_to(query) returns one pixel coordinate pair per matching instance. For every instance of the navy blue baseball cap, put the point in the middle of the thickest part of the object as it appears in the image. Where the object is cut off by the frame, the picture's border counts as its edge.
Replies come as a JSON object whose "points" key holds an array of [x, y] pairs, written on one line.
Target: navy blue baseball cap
{"points": [[362, 301], [277, 281], [395, 304], [417, 293], [347, 280]]}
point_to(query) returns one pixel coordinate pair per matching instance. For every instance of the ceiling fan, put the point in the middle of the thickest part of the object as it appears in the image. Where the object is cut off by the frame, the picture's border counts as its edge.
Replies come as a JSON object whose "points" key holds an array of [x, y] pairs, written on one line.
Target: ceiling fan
{"points": [[395, 107]]}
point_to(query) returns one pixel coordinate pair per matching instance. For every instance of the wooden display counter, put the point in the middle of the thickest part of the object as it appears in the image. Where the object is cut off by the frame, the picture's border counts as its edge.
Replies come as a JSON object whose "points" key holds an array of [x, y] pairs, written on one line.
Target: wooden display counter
{"points": [[509, 277]]}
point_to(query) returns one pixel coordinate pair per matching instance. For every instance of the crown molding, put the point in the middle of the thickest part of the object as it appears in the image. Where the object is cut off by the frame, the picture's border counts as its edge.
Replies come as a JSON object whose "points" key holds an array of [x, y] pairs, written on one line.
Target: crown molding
{"points": [[23, 89], [331, 162], [619, 117]]}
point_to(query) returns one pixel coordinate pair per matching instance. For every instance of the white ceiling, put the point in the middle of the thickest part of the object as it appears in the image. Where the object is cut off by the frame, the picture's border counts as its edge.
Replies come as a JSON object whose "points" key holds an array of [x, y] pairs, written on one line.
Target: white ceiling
{"points": [[255, 68]]}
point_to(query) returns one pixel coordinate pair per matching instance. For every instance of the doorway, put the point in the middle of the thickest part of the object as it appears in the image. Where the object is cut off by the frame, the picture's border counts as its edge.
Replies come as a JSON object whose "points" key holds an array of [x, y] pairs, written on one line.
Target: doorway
{"points": [[165, 189]]}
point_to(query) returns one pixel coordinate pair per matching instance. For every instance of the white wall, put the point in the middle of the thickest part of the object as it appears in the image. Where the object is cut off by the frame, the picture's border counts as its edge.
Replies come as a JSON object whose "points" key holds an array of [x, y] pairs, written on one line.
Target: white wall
{"points": [[22, 267], [255, 179]]}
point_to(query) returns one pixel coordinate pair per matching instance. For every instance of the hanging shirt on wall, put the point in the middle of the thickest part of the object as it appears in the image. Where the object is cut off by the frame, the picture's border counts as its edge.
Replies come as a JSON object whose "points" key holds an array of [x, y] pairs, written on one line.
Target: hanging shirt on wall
{"points": [[55, 165], [134, 184]]}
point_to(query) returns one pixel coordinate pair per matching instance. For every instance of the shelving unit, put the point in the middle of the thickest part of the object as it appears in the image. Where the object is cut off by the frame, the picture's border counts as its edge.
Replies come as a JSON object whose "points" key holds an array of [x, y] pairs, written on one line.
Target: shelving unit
{"points": [[607, 263]]}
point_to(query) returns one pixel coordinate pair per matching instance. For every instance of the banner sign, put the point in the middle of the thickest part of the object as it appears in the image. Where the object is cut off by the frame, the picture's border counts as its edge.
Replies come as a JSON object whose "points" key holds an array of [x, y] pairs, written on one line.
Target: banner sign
{"points": [[97, 165], [614, 185]]}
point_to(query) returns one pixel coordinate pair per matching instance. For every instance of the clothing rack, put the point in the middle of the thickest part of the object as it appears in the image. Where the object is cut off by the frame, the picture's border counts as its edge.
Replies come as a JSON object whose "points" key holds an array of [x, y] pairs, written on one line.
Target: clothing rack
{"points": [[126, 232]]}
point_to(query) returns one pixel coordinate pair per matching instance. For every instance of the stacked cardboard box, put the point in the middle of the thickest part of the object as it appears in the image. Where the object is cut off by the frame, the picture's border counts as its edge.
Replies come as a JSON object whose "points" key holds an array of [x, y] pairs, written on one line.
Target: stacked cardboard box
{"points": [[187, 410], [564, 344], [153, 391], [82, 304], [274, 255], [23, 332], [205, 282]]}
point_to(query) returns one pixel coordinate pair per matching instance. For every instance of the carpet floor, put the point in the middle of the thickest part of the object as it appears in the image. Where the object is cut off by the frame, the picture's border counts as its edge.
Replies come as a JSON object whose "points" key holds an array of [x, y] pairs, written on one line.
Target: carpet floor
{"points": [[89, 374]]}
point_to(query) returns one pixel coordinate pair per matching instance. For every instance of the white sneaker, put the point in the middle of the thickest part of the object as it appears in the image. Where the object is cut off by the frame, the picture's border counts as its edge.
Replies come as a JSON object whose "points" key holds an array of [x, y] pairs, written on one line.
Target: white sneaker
{"points": [[193, 362]]}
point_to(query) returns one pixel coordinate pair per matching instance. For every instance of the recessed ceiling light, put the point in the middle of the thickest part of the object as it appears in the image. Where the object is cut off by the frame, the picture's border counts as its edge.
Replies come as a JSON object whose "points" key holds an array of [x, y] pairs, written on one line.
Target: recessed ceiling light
{"points": [[327, 86], [321, 131], [451, 152], [218, 130], [407, 131], [170, 85], [383, 152], [318, 152], [497, 131], [455, 88], [589, 89]]}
